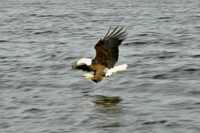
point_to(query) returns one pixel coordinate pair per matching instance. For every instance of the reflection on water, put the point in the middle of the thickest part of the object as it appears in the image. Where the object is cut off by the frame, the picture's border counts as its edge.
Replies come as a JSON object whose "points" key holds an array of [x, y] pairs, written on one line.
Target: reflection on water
{"points": [[99, 109], [107, 101], [99, 101]]}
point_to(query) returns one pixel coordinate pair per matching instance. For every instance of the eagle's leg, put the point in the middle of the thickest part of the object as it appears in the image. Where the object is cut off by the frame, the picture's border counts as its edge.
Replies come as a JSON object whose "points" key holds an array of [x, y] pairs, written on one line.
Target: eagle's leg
{"points": [[88, 76]]}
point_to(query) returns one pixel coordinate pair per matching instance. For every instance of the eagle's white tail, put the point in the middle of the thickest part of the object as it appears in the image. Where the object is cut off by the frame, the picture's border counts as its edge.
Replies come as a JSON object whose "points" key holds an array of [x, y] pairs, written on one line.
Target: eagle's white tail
{"points": [[116, 69]]}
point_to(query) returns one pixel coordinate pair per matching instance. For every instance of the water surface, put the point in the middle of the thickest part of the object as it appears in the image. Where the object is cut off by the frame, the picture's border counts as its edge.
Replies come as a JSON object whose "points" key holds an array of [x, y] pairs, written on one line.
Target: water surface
{"points": [[40, 93]]}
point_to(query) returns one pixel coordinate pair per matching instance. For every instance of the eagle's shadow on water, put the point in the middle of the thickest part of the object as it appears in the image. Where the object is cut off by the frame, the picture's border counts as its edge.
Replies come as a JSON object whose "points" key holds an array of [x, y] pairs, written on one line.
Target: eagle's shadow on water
{"points": [[100, 112], [106, 101], [100, 103], [100, 100]]}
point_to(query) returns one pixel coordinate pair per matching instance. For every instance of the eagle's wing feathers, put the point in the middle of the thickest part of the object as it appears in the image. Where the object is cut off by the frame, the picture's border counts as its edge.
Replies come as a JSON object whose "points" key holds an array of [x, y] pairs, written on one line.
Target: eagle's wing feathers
{"points": [[107, 49]]}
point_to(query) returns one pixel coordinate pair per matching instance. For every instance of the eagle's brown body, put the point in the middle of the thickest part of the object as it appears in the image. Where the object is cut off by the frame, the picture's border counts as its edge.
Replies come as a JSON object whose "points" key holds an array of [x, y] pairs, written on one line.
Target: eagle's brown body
{"points": [[99, 72]]}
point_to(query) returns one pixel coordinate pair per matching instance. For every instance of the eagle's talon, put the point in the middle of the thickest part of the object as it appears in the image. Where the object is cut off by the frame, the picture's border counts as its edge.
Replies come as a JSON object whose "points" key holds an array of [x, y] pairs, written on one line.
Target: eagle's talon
{"points": [[88, 76]]}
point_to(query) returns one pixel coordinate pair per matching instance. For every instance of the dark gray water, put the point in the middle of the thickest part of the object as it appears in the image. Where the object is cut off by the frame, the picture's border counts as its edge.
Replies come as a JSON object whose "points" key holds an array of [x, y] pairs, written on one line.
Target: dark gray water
{"points": [[41, 39]]}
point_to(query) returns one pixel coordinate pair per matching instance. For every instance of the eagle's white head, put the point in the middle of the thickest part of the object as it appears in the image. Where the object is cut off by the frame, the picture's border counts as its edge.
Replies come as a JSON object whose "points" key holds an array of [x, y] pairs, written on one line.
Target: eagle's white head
{"points": [[85, 61]]}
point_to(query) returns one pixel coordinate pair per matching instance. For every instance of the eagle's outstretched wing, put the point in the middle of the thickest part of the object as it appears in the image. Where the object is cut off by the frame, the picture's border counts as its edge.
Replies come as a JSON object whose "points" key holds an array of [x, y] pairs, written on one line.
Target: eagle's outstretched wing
{"points": [[107, 49]]}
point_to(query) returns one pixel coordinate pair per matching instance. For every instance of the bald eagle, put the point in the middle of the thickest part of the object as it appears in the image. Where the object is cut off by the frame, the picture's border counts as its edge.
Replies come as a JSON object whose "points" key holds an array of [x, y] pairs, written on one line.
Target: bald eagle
{"points": [[103, 65]]}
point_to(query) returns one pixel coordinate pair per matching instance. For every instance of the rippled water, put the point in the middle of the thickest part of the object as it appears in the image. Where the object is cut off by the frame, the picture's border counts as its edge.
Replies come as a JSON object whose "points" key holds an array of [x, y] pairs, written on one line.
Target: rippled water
{"points": [[41, 39]]}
